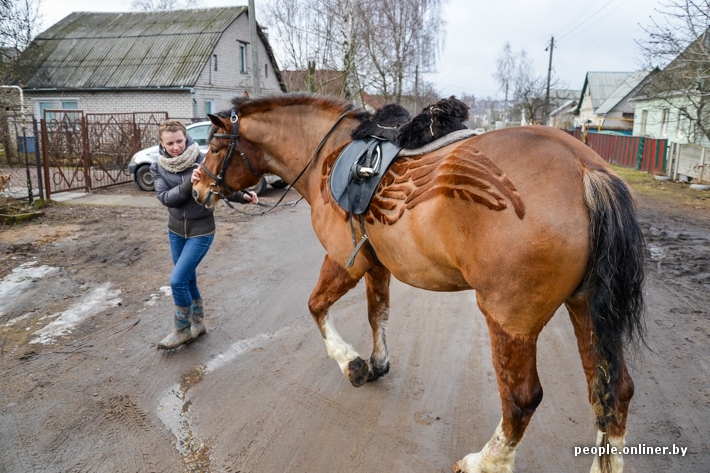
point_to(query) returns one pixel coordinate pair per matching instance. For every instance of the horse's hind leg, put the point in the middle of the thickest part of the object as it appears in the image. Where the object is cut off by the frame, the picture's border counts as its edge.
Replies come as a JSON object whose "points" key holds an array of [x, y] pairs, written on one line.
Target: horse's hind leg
{"points": [[514, 360], [377, 281], [614, 463], [334, 281]]}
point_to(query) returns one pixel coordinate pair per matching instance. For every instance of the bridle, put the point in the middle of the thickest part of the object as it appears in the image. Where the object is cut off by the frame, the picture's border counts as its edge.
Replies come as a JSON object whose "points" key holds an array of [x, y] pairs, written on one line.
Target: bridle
{"points": [[217, 186]]}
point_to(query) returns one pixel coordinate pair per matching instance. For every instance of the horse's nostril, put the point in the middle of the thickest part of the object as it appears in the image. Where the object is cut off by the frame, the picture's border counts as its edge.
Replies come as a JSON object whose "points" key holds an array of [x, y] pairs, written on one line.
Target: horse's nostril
{"points": [[194, 194]]}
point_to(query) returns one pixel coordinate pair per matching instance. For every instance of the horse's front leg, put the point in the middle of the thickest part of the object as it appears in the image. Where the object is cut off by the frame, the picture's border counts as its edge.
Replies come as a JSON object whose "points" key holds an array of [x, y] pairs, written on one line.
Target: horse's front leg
{"points": [[377, 280], [334, 281]]}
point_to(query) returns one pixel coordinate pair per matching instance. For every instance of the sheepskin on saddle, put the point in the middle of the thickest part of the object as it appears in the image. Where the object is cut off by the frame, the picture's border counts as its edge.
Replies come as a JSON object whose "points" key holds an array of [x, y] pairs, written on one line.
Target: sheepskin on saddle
{"points": [[385, 135]]}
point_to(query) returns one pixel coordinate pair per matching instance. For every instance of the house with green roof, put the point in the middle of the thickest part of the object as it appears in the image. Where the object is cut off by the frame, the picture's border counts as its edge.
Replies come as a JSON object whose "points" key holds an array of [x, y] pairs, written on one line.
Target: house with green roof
{"points": [[187, 63]]}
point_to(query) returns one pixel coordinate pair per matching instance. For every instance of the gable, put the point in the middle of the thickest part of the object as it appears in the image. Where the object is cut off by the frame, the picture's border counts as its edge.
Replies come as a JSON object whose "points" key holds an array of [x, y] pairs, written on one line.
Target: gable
{"points": [[125, 50]]}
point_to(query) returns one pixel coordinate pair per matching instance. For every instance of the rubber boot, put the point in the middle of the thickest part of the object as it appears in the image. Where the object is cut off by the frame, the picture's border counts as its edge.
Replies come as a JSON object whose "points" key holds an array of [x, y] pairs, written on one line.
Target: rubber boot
{"points": [[197, 326], [181, 334]]}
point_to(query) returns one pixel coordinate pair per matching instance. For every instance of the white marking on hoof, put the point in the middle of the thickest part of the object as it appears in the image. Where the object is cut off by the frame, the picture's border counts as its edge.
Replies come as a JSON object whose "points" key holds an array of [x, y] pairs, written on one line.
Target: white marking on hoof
{"points": [[337, 349], [616, 460], [497, 456]]}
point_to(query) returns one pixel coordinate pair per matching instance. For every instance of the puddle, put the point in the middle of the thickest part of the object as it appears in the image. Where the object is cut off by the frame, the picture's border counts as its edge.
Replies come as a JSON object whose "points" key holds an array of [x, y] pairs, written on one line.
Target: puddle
{"points": [[173, 409]]}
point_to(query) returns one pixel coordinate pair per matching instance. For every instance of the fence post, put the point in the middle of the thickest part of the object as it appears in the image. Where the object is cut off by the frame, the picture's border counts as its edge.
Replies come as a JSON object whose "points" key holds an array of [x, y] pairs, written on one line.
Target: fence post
{"points": [[639, 154], [38, 161]]}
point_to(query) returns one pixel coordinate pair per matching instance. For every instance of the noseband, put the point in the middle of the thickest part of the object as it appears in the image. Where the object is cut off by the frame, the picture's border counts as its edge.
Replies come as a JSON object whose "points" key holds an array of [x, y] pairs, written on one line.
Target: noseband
{"points": [[218, 184]]}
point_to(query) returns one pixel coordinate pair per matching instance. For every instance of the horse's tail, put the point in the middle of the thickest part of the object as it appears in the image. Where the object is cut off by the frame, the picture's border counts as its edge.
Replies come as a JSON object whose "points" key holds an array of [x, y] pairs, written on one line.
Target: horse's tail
{"points": [[613, 283]]}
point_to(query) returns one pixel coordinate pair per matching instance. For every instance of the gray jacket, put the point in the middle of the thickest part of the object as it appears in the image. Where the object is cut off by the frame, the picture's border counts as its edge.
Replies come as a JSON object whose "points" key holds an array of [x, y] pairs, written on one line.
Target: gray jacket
{"points": [[174, 190]]}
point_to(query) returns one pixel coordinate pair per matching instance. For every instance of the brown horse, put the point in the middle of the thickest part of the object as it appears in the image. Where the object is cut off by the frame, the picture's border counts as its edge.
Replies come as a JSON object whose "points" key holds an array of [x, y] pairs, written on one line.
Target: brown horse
{"points": [[529, 217]]}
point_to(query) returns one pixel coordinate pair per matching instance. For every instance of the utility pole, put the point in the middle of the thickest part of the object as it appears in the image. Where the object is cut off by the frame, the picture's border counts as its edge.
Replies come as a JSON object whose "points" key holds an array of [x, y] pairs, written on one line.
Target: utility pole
{"points": [[254, 48], [549, 75]]}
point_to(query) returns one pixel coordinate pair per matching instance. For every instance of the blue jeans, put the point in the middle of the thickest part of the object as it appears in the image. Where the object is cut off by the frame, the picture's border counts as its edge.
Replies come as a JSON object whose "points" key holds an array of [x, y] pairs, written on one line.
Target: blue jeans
{"points": [[187, 254]]}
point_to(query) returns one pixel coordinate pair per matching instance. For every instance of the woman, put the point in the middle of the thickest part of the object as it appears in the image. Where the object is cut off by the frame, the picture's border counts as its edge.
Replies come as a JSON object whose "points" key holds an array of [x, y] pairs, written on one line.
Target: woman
{"points": [[191, 226]]}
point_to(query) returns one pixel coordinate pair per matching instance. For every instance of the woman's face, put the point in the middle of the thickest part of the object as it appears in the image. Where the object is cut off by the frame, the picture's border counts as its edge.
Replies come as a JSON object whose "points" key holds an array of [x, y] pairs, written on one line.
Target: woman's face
{"points": [[173, 142]]}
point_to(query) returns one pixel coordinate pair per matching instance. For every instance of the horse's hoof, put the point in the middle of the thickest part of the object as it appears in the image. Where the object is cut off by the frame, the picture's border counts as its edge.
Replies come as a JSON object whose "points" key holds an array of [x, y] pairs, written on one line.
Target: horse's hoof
{"points": [[358, 372], [378, 371]]}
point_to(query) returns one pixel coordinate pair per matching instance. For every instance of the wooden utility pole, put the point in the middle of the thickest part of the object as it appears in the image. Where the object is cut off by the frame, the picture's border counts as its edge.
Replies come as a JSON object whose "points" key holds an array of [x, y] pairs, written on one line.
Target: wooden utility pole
{"points": [[549, 75], [254, 48]]}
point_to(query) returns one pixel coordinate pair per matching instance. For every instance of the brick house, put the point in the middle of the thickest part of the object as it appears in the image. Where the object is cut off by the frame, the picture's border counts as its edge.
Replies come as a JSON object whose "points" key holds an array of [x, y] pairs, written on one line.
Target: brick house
{"points": [[186, 62]]}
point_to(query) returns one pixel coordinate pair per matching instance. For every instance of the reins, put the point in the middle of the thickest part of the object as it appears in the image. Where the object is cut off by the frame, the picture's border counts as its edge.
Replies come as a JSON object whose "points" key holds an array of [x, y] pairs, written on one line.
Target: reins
{"points": [[234, 137]]}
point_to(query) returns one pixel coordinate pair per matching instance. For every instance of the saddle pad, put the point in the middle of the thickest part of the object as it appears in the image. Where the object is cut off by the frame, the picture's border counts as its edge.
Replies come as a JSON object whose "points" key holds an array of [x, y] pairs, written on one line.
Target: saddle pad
{"points": [[445, 140], [351, 193]]}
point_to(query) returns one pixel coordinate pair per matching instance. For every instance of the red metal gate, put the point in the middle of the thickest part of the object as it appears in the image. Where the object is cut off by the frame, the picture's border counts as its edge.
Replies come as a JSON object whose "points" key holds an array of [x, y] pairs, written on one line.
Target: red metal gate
{"points": [[85, 152]]}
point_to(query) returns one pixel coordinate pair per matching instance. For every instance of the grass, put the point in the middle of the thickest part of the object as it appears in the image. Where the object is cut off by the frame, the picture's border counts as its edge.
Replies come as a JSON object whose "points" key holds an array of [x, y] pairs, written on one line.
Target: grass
{"points": [[669, 192]]}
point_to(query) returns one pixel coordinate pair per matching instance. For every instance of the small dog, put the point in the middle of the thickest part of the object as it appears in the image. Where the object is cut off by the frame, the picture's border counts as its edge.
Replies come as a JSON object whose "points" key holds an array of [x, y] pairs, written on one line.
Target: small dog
{"points": [[5, 183]]}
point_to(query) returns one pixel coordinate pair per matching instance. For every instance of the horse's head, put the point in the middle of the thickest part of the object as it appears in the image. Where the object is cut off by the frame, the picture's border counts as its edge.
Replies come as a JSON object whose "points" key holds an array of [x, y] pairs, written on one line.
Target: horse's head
{"points": [[232, 163]]}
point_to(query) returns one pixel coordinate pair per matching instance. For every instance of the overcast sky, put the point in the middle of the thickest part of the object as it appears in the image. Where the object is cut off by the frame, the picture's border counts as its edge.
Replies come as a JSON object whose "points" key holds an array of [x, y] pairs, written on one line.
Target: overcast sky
{"points": [[589, 36]]}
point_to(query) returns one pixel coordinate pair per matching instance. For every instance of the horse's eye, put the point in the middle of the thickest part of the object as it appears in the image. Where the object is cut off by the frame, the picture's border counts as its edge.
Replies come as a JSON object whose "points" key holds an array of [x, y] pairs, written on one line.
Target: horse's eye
{"points": [[213, 151]]}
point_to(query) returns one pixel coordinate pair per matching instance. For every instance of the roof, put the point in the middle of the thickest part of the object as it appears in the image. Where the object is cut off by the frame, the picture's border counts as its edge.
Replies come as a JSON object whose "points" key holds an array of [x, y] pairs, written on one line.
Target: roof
{"points": [[683, 74], [600, 86], [566, 107], [128, 50], [325, 82], [631, 83]]}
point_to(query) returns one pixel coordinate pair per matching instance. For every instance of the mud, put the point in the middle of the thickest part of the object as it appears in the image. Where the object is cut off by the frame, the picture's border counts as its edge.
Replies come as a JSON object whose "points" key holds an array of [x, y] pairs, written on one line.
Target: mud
{"points": [[83, 302]]}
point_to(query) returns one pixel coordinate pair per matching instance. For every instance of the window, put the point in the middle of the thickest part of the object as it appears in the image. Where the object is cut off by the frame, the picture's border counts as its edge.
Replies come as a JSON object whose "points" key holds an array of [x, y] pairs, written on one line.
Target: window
{"points": [[266, 70], [199, 133], [644, 118], [242, 58], [42, 106], [70, 105], [209, 107], [664, 123], [214, 62]]}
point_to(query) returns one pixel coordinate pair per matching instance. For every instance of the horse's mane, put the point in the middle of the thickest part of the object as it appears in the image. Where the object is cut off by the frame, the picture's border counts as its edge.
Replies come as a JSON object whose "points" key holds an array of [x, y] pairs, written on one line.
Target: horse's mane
{"points": [[247, 106]]}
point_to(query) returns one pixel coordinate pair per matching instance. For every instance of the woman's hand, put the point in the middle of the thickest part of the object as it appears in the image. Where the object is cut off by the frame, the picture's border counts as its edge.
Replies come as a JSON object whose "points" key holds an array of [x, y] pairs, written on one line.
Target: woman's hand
{"points": [[196, 174], [251, 197]]}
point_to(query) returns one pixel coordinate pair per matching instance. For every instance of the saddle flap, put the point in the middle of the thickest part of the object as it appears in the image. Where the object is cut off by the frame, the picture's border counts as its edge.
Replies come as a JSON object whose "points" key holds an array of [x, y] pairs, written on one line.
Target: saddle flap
{"points": [[358, 171]]}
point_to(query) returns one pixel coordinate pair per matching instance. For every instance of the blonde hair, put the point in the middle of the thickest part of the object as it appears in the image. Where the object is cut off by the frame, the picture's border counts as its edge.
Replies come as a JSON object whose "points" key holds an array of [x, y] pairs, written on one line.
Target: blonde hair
{"points": [[172, 126]]}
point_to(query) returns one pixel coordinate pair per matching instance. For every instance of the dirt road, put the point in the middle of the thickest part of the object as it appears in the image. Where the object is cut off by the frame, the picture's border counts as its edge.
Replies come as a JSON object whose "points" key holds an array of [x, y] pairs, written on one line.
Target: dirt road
{"points": [[83, 303]]}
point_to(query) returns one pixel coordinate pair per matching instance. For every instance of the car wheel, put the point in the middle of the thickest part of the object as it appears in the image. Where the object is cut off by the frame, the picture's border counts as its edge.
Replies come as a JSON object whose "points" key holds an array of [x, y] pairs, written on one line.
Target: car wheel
{"points": [[278, 184], [259, 188], [144, 178]]}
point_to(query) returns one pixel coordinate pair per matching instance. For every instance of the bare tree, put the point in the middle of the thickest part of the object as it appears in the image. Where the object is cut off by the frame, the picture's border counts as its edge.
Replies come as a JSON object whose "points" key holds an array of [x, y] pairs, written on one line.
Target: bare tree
{"points": [[20, 21], [680, 41], [515, 75], [402, 38], [505, 70], [163, 5], [382, 46]]}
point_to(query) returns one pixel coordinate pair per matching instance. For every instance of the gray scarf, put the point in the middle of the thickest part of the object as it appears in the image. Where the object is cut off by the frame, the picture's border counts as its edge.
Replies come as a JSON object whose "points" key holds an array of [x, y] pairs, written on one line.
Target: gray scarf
{"points": [[180, 163]]}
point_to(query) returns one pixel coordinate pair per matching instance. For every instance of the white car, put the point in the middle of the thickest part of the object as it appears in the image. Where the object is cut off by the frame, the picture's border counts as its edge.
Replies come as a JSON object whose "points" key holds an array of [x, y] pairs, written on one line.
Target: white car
{"points": [[139, 167]]}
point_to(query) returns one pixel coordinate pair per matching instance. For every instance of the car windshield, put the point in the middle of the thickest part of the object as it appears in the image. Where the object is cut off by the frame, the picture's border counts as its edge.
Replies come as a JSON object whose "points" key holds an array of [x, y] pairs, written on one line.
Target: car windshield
{"points": [[199, 133]]}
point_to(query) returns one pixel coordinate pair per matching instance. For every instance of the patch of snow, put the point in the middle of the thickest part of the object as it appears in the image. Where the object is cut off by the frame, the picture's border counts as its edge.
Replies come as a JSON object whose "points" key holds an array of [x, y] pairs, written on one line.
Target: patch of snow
{"points": [[98, 300], [19, 279]]}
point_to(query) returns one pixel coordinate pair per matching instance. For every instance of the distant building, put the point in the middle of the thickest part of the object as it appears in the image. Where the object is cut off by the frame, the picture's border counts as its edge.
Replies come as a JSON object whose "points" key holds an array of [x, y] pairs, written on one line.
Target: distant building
{"points": [[605, 102]]}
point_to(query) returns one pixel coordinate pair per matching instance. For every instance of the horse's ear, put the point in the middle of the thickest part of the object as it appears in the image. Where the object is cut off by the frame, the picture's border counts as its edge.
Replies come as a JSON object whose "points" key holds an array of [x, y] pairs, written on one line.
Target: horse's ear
{"points": [[215, 121], [245, 94]]}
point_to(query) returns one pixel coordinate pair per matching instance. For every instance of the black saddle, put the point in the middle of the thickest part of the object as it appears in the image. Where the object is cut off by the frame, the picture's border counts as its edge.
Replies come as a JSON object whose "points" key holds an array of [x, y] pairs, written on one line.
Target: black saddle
{"points": [[358, 171]]}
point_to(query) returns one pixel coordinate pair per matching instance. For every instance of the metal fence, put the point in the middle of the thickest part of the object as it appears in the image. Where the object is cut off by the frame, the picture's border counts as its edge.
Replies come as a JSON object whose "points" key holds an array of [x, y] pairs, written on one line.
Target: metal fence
{"points": [[88, 151], [637, 152]]}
